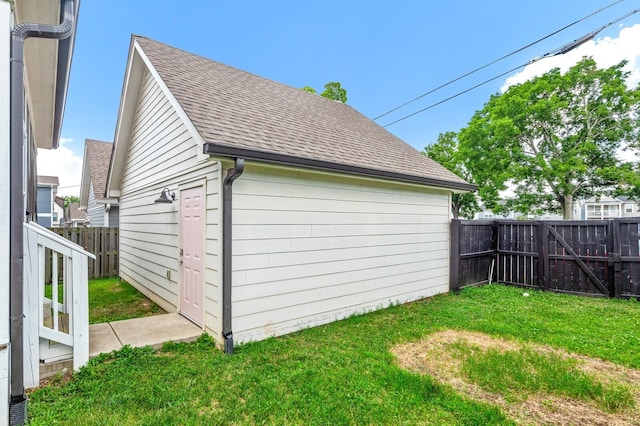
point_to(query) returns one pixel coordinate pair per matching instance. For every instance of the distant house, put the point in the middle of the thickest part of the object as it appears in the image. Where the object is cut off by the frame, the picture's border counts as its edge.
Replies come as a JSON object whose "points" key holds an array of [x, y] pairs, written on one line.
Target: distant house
{"points": [[73, 216], [58, 211], [46, 213], [100, 209], [256, 209], [605, 207], [487, 213]]}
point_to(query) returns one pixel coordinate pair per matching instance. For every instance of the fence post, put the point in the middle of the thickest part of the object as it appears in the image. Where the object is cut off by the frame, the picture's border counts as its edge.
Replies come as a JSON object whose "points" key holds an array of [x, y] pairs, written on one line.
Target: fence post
{"points": [[495, 245], [543, 254], [454, 255], [614, 257]]}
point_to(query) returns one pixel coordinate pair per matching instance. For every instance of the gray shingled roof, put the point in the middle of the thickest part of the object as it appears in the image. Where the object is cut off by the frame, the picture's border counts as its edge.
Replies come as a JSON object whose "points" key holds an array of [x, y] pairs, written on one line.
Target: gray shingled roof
{"points": [[98, 157], [75, 213], [48, 180], [241, 114]]}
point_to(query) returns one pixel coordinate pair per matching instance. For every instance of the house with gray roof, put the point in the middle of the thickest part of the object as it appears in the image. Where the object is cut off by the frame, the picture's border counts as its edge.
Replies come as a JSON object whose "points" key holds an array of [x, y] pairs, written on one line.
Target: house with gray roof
{"points": [[100, 209], [256, 209], [47, 214], [607, 207]]}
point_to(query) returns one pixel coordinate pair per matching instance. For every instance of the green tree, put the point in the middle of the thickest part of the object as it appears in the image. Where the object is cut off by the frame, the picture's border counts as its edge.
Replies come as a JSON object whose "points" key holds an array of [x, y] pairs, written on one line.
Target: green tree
{"points": [[334, 91], [554, 139], [71, 199], [308, 89], [445, 152]]}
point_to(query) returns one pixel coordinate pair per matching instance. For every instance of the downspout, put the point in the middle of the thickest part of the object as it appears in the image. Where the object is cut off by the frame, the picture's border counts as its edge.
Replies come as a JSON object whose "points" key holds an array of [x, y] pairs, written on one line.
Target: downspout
{"points": [[18, 402], [227, 255]]}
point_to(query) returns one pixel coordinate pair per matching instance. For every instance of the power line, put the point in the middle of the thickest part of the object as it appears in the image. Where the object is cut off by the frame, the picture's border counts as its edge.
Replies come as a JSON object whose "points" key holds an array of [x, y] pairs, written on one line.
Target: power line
{"points": [[456, 95], [496, 60], [559, 51]]}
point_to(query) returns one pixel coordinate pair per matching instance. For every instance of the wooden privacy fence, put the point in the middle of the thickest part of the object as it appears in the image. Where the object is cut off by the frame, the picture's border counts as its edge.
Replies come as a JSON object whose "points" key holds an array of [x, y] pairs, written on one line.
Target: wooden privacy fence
{"points": [[597, 258], [102, 242]]}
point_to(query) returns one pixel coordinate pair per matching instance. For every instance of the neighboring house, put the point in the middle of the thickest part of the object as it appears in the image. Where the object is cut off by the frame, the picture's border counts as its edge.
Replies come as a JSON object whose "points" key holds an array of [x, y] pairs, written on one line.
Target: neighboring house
{"points": [[332, 215], [101, 210], [33, 86], [74, 217], [45, 213], [58, 211], [486, 213], [605, 207]]}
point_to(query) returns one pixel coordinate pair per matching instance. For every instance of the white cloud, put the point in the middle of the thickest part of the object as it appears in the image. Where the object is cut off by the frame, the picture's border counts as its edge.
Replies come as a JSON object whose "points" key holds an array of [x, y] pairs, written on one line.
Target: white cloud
{"points": [[606, 51], [61, 162]]}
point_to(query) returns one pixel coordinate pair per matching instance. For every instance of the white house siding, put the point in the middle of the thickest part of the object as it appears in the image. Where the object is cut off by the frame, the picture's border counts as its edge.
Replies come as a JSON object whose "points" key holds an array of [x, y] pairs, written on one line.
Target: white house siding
{"points": [[95, 212], [114, 216], [5, 26], [163, 154], [310, 248]]}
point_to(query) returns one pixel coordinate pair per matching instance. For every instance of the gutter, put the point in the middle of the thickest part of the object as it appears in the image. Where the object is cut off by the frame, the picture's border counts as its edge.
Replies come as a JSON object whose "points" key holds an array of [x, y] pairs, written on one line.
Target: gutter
{"points": [[290, 160], [227, 255], [18, 400]]}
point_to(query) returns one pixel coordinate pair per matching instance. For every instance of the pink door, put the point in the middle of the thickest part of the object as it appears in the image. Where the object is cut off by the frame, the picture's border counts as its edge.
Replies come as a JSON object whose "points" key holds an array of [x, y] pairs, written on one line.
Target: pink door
{"points": [[191, 253]]}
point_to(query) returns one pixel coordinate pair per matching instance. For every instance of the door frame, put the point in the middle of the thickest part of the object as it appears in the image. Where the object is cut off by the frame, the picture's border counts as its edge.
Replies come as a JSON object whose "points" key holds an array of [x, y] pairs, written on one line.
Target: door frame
{"points": [[192, 184]]}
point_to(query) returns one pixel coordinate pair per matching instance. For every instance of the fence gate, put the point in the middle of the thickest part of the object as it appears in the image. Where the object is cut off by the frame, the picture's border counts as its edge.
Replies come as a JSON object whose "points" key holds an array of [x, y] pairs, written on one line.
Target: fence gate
{"points": [[596, 258]]}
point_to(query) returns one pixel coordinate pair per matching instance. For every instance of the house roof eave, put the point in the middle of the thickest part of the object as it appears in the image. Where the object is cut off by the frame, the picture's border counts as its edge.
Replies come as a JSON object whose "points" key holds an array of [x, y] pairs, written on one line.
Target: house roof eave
{"points": [[286, 160]]}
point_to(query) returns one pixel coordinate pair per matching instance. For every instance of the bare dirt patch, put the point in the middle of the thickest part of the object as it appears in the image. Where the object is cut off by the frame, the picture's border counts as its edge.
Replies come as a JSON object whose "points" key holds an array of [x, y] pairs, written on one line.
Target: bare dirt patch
{"points": [[433, 356]]}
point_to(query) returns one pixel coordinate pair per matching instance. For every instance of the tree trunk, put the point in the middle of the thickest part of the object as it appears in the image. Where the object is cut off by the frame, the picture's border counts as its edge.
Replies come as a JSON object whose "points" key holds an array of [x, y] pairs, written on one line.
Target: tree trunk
{"points": [[567, 207], [455, 210]]}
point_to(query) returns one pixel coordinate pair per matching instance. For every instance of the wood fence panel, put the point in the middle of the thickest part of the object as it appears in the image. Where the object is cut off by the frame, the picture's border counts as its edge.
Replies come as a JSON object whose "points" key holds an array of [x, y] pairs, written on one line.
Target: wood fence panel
{"points": [[518, 256], [103, 242], [596, 258], [473, 245], [629, 258], [578, 257]]}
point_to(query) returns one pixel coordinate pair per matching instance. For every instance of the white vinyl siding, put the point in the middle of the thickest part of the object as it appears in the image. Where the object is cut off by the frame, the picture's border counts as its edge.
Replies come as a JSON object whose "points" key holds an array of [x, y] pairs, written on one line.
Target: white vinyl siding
{"points": [[114, 217], [162, 154], [95, 212], [310, 248]]}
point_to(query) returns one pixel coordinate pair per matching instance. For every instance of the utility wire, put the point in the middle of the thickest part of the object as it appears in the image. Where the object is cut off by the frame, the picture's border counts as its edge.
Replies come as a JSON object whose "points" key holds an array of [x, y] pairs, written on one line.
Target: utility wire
{"points": [[559, 51], [496, 60]]}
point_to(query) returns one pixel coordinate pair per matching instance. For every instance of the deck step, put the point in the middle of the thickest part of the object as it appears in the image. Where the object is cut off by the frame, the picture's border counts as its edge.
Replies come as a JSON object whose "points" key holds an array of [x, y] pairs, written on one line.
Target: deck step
{"points": [[51, 369]]}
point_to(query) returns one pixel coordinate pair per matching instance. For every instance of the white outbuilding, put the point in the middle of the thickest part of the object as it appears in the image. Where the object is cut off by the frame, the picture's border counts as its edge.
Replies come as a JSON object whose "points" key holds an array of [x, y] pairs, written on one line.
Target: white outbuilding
{"points": [[256, 209]]}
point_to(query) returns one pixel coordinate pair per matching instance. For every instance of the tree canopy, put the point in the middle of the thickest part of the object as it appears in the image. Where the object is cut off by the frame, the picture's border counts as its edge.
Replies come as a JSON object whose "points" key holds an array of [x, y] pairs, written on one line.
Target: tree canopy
{"points": [[332, 90], [554, 139], [445, 152], [71, 199]]}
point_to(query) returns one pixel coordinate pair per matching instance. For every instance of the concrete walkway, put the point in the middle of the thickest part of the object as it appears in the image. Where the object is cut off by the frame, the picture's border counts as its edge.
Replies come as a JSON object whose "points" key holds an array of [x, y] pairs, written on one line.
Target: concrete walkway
{"points": [[138, 332]]}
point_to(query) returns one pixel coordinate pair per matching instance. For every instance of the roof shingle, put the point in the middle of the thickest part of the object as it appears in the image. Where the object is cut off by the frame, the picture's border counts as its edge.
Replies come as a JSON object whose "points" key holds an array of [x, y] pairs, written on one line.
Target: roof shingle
{"points": [[98, 157], [235, 110]]}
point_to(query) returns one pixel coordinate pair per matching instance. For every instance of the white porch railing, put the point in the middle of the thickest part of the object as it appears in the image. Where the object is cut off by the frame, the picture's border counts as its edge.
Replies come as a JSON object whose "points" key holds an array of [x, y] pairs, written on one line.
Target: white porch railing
{"points": [[58, 318]]}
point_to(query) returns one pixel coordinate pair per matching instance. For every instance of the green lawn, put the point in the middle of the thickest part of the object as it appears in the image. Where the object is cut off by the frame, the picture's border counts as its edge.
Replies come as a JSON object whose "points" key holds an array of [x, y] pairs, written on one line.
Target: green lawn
{"points": [[112, 299], [345, 373]]}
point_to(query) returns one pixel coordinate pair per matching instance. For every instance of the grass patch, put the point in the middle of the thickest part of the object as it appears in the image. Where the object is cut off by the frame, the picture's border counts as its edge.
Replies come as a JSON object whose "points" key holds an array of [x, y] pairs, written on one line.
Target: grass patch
{"points": [[341, 373], [113, 299], [519, 373]]}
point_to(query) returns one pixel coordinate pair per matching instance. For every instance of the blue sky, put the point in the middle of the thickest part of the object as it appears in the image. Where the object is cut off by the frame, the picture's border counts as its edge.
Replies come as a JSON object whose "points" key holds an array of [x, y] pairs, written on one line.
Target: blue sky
{"points": [[384, 53]]}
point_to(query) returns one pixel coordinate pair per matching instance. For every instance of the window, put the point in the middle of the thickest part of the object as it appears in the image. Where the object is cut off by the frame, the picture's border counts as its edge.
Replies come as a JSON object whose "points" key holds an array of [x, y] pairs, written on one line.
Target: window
{"points": [[628, 208], [594, 210], [55, 216]]}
